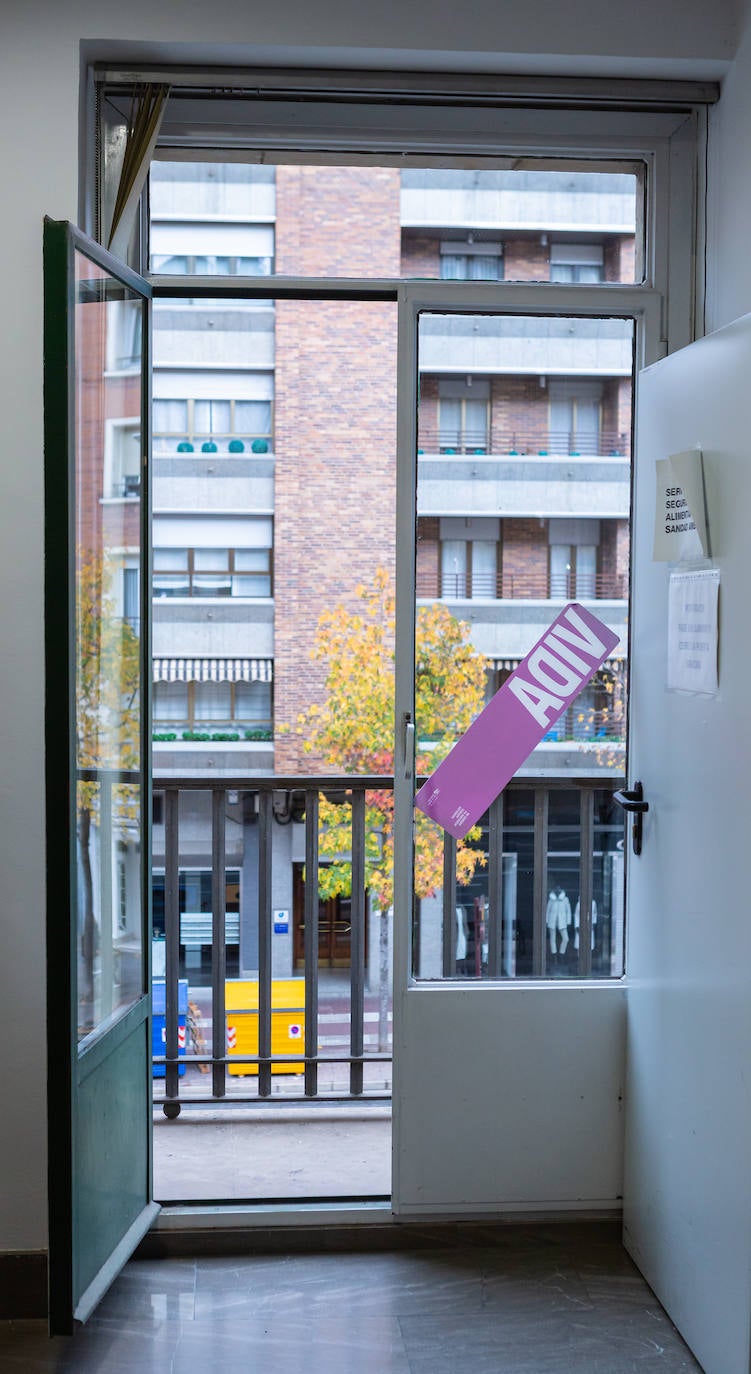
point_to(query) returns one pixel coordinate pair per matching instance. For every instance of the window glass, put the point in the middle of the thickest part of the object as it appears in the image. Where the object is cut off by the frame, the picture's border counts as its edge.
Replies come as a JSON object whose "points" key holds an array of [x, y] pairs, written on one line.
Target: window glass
{"points": [[212, 701], [170, 701], [176, 560], [454, 568], [484, 554], [212, 417], [253, 417], [253, 701], [211, 560]]}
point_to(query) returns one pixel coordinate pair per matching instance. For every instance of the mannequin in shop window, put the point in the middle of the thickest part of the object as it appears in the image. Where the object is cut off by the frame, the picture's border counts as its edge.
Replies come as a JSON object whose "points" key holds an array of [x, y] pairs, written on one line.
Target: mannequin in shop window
{"points": [[558, 920]]}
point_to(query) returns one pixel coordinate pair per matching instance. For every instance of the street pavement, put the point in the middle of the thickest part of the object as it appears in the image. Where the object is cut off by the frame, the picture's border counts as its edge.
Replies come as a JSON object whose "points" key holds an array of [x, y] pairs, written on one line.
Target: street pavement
{"points": [[286, 1146]]}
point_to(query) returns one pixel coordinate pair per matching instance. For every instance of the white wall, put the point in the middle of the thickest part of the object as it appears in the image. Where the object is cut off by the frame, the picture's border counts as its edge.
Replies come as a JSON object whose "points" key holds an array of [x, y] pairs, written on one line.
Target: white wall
{"points": [[729, 209], [40, 58]]}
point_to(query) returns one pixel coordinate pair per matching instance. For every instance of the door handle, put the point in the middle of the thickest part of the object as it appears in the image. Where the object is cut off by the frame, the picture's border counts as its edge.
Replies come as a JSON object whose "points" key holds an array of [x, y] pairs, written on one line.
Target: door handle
{"points": [[633, 800], [409, 749]]}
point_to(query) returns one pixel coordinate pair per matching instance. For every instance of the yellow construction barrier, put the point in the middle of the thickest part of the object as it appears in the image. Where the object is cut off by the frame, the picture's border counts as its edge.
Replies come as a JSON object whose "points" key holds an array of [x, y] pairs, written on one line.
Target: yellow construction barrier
{"points": [[287, 1021]]}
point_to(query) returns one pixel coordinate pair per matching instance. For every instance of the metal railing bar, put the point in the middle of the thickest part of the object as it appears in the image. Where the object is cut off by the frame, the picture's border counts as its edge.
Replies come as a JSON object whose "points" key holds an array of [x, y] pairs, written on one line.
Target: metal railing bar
{"points": [[171, 939], [325, 783], [265, 814], [378, 1056], [357, 943], [495, 888], [449, 906], [311, 941], [586, 850], [539, 865], [218, 937]]}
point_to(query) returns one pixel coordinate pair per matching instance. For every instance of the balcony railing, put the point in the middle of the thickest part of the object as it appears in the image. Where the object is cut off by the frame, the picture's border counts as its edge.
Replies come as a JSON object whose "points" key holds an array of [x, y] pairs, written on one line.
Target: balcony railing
{"points": [[552, 821], [528, 585], [530, 442]]}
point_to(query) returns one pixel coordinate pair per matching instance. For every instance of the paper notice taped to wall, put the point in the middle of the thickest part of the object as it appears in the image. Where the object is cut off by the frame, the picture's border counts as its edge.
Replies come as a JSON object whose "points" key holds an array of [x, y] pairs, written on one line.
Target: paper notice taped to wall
{"points": [[681, 525]]}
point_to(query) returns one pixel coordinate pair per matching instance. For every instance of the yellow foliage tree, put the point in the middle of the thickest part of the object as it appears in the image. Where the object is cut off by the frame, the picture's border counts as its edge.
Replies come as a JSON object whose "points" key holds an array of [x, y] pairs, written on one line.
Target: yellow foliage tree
{"points": [[352, 731], [108, 723]]}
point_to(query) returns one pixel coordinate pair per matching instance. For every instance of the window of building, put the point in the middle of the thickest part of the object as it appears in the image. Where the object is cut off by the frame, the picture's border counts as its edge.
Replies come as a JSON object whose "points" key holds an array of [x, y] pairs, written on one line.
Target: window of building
{"points": [[185, 425], [193, 704], [577, 262], [573, 558], [195, 903], [471, 261], [576, 418], [469, 557], [122, 457], [192, 247], [131, 596], [212, 572], [463, 415]]}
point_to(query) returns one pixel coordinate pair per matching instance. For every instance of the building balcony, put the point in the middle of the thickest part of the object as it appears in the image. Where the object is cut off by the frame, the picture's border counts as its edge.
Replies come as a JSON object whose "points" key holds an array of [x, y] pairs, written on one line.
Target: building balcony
{"points": [[189, 482], [525, 586], [213, 627], [545, 346], [535, 442], [538, 487], [524, 201]]}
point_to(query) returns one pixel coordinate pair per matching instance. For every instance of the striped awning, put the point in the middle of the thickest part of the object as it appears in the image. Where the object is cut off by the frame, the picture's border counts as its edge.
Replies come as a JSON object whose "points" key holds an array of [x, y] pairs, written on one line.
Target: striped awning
{"points": [[213, 669], [511, 663]]}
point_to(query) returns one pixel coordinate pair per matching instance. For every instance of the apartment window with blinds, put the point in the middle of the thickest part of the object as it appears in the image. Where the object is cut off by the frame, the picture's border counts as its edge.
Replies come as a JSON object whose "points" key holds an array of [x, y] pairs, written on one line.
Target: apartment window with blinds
{"points": [[212, 573]]}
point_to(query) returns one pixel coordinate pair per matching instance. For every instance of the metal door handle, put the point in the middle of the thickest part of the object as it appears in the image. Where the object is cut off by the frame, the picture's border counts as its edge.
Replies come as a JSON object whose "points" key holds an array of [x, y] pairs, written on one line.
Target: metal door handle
{"points": [[409, 749], [633, 800]]}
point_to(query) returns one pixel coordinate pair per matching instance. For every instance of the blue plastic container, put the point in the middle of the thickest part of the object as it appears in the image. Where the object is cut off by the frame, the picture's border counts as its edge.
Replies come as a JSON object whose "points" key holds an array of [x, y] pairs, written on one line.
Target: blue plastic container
{"points": [[159, 1023]]}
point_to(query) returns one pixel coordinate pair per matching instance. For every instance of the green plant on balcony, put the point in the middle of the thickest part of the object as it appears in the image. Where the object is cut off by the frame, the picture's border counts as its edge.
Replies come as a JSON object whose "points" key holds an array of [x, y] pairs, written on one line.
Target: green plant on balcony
{"points": [[259, 446], [185, 447], [164, 736], [258, 736], [197, 736], [236, 446], [209, 447], [224, 737]]}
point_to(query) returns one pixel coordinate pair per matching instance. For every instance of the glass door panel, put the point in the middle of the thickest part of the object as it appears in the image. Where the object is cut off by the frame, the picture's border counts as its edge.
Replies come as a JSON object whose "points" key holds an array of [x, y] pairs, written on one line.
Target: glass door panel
{"points": [[476, 916], [98, 783]]}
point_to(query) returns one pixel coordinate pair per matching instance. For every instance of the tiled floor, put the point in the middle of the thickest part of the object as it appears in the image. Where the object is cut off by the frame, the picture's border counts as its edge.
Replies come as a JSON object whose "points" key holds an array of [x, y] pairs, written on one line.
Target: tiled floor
{"points": [[508, 1300]]}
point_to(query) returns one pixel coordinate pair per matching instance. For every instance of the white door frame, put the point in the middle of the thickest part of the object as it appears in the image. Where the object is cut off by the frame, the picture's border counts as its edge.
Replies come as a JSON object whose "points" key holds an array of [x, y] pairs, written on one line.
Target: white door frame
{"points": [[418, 1005]]}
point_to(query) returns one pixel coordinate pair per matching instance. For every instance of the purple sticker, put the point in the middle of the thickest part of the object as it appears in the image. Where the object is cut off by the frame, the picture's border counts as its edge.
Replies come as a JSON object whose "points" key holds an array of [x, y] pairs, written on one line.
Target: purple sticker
{"points": [[524, 709]]}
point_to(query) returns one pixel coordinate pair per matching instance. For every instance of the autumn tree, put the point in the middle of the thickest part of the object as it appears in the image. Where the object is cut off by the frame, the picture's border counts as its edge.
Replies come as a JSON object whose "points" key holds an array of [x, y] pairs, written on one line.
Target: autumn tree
{"points": [[107, 725], [352, 731]]}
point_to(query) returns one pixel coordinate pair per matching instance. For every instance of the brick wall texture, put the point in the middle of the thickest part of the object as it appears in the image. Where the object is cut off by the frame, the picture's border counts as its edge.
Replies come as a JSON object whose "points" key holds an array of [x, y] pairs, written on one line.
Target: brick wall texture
{"points": [[335, 421]]}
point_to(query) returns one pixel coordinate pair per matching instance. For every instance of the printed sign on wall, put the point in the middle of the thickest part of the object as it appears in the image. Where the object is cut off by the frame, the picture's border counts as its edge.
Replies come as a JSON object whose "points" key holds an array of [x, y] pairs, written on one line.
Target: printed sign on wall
{"points": [[681, 525], [524, 709]]}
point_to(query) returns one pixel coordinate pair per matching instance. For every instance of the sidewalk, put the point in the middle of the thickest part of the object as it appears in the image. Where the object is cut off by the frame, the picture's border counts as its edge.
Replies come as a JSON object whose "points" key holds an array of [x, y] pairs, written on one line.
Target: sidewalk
{"points": [[261, 1151]]}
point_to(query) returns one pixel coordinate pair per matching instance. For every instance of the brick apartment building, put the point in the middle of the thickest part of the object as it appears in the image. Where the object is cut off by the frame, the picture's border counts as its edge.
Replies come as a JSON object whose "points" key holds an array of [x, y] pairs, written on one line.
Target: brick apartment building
{"points": [[274, 449]]}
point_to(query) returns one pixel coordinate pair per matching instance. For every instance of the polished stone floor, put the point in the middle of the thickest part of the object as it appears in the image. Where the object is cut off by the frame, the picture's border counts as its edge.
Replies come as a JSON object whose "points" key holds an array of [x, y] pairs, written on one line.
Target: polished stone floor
{"points": [[508, 1300]]}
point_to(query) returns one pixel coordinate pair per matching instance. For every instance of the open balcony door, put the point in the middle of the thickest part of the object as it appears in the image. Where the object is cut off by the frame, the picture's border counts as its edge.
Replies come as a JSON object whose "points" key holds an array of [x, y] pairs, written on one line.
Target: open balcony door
{"points": [[688, 1094], [98, 784]]}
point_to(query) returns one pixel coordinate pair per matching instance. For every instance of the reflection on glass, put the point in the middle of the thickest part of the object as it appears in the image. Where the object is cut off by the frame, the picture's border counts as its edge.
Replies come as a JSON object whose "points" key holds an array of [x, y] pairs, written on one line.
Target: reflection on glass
{"points": [[108, 330]]}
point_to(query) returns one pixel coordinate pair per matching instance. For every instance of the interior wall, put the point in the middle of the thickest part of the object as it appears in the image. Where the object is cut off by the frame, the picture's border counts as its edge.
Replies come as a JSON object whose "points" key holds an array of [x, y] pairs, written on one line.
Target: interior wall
{"points": [[40, 62], [729, 199]]}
